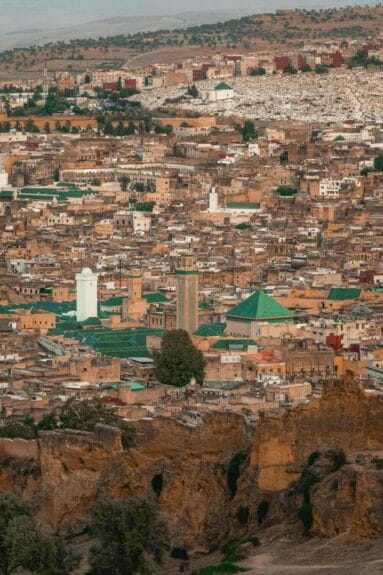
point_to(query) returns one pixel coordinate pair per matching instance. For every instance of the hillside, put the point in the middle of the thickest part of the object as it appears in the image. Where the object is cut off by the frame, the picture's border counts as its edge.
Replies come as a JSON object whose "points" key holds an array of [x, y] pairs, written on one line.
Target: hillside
{"points": [[262, 31]]}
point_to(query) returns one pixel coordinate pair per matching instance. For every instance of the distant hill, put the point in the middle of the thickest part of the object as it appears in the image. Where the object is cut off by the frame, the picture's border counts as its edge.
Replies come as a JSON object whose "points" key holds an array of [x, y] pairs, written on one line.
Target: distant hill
{"points": [[283, 28], [109, 27]]}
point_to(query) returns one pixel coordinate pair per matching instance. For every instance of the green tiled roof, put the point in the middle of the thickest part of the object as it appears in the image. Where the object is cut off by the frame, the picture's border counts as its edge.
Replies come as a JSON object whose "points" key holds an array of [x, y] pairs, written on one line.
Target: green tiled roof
{"points": [[134, 386], [223, 86], [244, 205], [130, 342], [210, 329], [341, 294], [205, 305], [155, 297], [259, 306], [47, 194], [233, 344], [112, 302]]}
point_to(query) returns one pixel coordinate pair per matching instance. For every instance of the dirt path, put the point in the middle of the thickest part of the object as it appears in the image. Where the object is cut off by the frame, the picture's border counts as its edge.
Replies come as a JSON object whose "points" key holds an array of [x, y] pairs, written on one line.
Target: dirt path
{"points": [[264, 565]]}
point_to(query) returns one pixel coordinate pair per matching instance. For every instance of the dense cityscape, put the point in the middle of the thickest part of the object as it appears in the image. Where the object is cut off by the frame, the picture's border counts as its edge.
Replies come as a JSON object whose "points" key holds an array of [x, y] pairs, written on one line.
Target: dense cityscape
{"points": [[191, 307]]}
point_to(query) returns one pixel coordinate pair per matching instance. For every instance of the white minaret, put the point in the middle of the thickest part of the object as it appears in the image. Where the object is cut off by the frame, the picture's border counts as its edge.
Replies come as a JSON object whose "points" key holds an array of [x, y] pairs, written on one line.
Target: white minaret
{"points": [[86, 292], [3, 173], [213, 200]]}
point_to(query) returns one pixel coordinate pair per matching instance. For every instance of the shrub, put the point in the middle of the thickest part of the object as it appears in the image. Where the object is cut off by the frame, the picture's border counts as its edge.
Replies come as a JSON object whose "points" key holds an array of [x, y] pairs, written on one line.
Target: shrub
{"points": [[230, 551], [179, 553], [339, 459], [313, 457], [305, 514], [157, 483], [255, 541], [242, 515], [233, 472], [308, 480], [262, 511]]}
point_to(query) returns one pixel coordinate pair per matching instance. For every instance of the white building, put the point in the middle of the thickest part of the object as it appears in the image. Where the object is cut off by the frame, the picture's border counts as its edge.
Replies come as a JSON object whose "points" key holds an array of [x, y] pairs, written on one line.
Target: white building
{"points": [[329, 188], [86, 293], [221, 92], [213, 201]]}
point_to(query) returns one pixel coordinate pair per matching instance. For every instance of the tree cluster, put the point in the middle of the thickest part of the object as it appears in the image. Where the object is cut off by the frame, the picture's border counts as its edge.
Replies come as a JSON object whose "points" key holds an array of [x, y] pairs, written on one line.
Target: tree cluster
{"points": [[24, 545]]}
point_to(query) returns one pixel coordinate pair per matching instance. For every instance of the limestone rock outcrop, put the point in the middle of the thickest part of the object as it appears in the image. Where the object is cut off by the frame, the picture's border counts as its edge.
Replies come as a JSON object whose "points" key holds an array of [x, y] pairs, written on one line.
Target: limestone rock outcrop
{"points": [[64, 472]]}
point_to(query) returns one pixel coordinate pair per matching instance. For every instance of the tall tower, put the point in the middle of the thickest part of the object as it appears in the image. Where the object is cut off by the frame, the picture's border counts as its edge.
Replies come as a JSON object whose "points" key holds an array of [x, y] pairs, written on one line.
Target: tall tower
{"points": [[213, 200], [135, 306], [45, 78], [187, 295], [86, 294]]}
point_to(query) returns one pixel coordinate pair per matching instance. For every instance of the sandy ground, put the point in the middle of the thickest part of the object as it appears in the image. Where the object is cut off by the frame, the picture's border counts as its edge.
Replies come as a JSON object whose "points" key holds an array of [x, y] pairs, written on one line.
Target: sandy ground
{"points": [[342, 555]]}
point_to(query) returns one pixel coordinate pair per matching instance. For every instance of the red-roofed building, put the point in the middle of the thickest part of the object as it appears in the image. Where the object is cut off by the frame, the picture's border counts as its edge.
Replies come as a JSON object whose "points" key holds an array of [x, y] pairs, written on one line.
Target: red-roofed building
{"points": [[130, 84], [281, 62], [112, 86], [336, 59]]}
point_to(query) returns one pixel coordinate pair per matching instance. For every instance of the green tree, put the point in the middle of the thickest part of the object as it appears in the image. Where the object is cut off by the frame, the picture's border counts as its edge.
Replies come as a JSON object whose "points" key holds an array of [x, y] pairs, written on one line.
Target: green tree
{"points": [[378, 163], [259, 71], [143, 206], [248, 131], [124, 181], [289, 69], [193, 91], [23, 545], [163, 129], [130, 536], [31, 127], [47, 422], [321, 69], [179, 360], [12, 427]]}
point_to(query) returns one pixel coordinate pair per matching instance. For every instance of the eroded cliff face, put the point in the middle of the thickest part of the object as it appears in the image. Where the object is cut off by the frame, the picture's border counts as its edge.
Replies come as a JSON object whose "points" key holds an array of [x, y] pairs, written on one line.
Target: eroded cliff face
{"points": [[344, 417], [77, 469], [349, 499], [65, 472]]}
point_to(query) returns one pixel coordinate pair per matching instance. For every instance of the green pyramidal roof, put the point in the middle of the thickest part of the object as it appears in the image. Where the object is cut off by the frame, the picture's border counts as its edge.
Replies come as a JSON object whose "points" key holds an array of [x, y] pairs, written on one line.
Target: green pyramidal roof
{"points": [[223, 86], [259, 306]]}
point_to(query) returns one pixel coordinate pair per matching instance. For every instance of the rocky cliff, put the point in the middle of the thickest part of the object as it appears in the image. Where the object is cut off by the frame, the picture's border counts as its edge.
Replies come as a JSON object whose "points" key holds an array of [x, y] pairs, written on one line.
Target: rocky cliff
{"points": [[65, 472], [345, 417]]}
